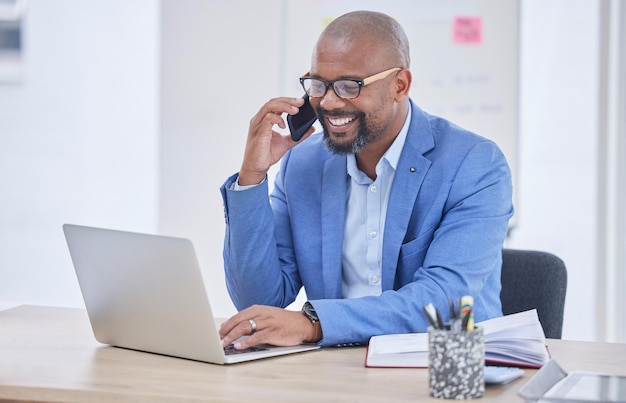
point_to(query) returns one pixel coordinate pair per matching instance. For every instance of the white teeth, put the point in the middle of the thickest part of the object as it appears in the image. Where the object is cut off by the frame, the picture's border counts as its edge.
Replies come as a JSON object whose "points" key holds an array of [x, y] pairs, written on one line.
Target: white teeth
{"points": [[340, 121]]}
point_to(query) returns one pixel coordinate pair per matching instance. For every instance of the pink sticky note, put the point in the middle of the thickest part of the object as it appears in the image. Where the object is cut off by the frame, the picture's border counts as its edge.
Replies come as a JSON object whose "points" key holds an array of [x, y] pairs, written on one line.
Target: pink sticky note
{"points": [[468, 30]]}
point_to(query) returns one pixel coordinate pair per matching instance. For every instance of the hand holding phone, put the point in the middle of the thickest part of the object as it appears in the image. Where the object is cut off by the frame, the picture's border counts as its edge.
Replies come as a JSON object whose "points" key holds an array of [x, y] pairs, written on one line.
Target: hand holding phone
{"points": [[301, 121]]}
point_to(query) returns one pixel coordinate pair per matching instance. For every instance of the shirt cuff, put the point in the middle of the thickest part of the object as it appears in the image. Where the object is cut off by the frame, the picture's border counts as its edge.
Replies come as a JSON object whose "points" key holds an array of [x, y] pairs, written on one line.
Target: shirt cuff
{"points": [[236, 186]]}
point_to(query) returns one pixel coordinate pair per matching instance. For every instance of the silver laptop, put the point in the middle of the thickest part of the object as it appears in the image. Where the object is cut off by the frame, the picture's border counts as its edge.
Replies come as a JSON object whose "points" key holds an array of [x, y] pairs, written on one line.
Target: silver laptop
{"points": [[146, 292]]}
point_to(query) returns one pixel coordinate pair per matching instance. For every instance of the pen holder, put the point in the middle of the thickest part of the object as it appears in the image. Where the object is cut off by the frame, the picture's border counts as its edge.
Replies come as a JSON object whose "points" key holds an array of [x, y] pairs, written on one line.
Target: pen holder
{"points": [[456, 363]]}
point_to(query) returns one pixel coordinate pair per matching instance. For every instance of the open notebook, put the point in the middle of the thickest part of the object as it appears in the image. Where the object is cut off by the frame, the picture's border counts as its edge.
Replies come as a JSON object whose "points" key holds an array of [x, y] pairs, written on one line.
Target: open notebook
{"points": [[511, 340], [146, 292]]}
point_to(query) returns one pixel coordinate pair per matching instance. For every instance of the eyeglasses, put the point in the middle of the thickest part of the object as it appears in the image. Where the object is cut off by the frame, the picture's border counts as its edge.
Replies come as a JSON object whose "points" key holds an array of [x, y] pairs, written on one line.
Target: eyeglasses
{"points": [[344, 88]]}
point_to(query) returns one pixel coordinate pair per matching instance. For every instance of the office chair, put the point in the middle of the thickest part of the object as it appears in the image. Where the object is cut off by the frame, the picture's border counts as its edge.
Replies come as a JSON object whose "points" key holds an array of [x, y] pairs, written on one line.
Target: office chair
{"points": [[534, 279]]}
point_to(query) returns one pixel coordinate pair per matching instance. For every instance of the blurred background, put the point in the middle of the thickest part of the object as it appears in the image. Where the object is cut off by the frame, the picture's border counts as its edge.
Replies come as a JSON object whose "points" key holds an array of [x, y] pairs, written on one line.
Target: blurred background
{"points": [[130, 115]]}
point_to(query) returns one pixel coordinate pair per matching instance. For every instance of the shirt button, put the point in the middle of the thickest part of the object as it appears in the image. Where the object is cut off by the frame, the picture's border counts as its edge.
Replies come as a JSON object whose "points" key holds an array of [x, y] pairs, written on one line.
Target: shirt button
{"points": [[375, 279], [373, 189], [373, 234]]}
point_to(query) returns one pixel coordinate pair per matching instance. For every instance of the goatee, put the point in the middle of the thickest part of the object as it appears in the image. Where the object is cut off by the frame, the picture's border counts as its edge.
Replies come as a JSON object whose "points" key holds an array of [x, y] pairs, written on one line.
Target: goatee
{"points": [[362, 138]]}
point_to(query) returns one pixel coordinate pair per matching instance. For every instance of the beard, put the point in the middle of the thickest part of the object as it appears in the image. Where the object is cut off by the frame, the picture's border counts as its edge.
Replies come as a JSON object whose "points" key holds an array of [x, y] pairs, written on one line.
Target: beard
{"points": [[367, 132]]}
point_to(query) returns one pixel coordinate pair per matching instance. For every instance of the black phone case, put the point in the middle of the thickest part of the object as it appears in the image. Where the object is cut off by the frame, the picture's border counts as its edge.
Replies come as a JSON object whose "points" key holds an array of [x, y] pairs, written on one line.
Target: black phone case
{"points": [[301, 121]]}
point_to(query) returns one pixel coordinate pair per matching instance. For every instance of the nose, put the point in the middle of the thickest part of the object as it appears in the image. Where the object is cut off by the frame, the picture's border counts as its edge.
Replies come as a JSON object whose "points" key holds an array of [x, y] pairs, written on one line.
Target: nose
{"points": [[330, 100]]}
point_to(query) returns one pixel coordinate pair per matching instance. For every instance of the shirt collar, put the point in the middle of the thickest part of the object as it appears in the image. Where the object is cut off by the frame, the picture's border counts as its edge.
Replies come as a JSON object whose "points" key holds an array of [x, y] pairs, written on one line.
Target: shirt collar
{"points": [[392, 155]]}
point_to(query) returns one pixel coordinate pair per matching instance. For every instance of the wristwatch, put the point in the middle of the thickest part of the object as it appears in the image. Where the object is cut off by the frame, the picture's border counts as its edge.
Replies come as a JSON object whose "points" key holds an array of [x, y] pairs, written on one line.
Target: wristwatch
{"points": [[309, 312]]}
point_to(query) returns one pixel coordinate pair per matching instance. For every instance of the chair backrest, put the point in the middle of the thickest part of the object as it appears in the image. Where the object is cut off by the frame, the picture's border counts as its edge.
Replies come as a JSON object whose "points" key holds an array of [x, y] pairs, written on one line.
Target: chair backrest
{"points": [[534, 279]]}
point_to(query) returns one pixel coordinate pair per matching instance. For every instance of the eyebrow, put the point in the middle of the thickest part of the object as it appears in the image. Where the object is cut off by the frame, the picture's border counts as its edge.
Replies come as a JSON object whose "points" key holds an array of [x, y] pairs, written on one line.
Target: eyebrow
{"points": [[346, 77]]}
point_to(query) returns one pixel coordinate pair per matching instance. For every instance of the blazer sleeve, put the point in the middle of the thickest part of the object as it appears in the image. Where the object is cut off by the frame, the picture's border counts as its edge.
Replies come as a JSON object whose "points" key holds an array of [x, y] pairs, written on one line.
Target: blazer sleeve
{"points": [[254, 274]]}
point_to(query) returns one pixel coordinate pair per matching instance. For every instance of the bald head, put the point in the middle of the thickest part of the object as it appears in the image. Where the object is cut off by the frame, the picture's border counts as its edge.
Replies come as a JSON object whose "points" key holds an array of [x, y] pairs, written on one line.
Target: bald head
{"points": [[377, 28]]}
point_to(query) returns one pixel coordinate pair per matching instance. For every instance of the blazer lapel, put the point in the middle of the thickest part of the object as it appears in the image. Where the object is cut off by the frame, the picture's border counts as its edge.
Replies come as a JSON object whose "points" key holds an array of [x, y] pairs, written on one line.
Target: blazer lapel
{"points": [[410, 174]]}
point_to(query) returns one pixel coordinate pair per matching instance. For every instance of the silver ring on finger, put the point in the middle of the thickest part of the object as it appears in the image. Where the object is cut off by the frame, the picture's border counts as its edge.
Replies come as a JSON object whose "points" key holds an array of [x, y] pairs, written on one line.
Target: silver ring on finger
{"points": [[252, 325]]}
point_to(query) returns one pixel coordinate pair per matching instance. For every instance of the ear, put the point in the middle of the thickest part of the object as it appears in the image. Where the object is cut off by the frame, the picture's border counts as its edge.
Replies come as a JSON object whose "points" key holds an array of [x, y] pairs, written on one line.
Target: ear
{"points": [[402, 85]]}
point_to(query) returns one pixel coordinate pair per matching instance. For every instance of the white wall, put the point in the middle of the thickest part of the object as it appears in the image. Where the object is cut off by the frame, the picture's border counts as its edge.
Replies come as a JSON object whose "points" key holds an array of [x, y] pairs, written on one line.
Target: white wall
{"points": [[218, 66], [79, 139], [559, 146]]}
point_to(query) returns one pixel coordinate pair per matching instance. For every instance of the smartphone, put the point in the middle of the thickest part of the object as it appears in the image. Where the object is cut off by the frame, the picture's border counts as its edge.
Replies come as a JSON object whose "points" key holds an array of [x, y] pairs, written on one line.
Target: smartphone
{"points": [[301, 121]]}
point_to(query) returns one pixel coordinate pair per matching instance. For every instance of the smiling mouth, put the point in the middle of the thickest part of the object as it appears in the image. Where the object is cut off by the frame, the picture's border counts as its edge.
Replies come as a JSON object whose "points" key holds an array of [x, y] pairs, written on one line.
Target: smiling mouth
{"points": [[341, 122]]}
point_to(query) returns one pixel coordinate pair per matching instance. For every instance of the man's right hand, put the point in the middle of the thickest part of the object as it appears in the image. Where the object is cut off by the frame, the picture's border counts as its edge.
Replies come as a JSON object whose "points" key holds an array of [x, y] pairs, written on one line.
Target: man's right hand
{"points": [[265, 146]]}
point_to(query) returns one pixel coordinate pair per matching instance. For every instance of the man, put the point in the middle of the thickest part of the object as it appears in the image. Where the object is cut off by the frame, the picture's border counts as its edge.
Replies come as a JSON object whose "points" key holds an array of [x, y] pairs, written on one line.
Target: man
{"points": [[387, 210]]}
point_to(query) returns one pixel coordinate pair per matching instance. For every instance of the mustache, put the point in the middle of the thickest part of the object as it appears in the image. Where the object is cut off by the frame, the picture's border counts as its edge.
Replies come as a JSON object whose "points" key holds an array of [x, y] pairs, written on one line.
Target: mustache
{"points": [[336, 113], [321, 113]]}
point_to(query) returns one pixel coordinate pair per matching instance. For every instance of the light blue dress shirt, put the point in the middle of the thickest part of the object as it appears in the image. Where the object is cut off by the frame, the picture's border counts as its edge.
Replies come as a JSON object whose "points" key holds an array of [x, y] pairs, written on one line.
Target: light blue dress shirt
{"points": [[364, 227]]}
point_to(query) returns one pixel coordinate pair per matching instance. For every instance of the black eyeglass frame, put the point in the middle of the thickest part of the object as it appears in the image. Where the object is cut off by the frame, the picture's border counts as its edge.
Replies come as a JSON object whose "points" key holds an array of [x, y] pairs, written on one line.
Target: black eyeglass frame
{"points": [[361, 82]]}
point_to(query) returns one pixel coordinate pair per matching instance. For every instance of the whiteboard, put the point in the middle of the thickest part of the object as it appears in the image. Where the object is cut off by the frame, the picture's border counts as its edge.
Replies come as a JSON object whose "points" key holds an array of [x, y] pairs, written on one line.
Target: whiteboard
{"points": [[464, 58]]}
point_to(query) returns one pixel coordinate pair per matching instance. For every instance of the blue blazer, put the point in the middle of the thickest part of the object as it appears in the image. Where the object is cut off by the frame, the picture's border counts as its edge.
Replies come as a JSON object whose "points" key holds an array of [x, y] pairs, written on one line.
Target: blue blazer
{"points": [[447, 218]]}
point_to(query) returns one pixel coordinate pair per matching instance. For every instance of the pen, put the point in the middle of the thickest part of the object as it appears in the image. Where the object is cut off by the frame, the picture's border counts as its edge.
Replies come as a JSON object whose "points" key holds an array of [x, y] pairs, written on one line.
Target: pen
{"points": [[455, 320], [439, 319], [432, 315], [467, 313], [453, 311]]}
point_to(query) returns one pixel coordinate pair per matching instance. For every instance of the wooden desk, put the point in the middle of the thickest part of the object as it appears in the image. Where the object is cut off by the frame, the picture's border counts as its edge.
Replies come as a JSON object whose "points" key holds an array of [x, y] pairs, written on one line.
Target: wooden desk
{"points": [[49, 354]]}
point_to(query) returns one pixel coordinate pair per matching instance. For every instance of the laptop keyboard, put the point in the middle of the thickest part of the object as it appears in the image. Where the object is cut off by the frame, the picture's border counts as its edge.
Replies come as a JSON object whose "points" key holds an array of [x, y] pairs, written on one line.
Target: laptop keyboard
{"points": [[230, 350]]}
